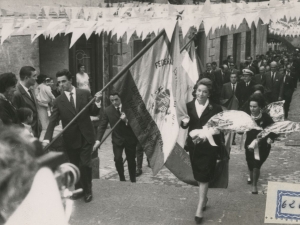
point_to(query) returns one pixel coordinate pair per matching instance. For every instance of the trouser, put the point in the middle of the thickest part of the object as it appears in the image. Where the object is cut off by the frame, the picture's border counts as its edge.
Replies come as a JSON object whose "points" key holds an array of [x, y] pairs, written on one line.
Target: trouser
{"points": [[286, 107], [81, 157], [130, 152]]}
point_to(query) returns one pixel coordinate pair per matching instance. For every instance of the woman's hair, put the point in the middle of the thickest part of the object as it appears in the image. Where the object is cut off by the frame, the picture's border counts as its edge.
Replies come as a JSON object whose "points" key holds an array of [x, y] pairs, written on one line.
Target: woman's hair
{"points": [[24, 113], [18, 167], [79, 66], [204, 81], [257, 97], [258, 87], [41, 78], [7, 80]]}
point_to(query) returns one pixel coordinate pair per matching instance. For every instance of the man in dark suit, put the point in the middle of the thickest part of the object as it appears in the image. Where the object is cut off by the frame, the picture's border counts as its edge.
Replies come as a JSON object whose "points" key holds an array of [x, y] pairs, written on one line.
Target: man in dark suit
{"points": [[79, 138], [246, 86], [8, 113], [260, 78], [225, 73], [288, 90], [24, 96], [274, 83], [228, 61], [218, 75], [122, 136], [231, 88]]}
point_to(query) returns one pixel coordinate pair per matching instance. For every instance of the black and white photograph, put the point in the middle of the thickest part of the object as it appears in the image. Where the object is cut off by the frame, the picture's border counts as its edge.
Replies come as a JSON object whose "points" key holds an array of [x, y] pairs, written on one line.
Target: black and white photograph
{"points": [[153, 112]]}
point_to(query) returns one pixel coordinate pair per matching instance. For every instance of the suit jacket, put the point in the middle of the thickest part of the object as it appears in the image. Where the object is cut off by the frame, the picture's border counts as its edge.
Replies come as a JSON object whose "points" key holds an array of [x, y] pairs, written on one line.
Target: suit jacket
{"points": [[227, 91], [23, 99], [122, 134], [288, 88], [226, 77], [275, 88], [260, 79], [198, 123], [8, 113], [81, 127], [218, 78], [246, 91]]}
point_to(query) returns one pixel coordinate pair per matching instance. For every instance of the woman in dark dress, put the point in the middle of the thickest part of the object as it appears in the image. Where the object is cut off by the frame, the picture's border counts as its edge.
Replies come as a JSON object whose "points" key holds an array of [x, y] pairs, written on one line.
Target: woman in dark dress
{"points": [[203, 152], [8, 113], [252, 145]]}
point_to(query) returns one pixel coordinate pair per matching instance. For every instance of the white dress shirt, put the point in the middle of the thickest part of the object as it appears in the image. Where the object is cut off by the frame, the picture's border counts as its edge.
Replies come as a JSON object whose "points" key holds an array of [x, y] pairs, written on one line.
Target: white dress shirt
{"points": [[120, 108], [233, 87], [200, 108], [26, 89], [74, 95], [98, 104]]}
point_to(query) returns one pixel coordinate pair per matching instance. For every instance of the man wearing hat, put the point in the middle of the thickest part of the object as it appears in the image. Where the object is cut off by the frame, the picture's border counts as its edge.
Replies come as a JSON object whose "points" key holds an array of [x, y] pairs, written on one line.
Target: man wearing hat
{"points": [[246, 85], [274, 83]]}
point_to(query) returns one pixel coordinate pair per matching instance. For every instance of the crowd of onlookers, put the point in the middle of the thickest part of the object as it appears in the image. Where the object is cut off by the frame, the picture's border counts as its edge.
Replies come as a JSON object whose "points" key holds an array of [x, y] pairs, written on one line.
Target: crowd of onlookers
{"points": [[274, 74]]}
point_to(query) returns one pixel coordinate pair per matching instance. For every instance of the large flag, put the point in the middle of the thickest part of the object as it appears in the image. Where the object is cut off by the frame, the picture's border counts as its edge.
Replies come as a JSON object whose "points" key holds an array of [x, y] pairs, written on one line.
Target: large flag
{"points": [[149, 104], [185, 75]]}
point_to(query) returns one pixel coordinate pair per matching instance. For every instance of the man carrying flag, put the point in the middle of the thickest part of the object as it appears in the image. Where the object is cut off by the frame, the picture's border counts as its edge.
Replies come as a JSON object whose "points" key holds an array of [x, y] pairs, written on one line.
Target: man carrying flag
{"points": [[122, 136]]}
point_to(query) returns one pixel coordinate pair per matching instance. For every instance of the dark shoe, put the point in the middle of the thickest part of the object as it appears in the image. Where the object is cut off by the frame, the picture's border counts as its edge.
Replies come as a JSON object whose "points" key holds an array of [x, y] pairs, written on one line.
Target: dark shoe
{"points": [[254, 192], [249, 181], [122, 178], [198, 219], [233, 143], [204, 207], [77, 196], [138, 172], [88, 197]]}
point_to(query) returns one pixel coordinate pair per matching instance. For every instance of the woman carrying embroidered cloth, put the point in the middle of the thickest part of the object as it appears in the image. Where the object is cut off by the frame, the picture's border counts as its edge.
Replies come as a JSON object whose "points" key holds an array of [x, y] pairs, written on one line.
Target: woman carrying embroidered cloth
{"points": [[257, 150], [203, 143]]}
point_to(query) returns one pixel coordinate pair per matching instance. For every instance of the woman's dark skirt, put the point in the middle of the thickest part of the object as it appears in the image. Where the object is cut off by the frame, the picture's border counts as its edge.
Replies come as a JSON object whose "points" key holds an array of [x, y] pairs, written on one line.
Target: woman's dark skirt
{"points": [[203, 159], [264, 152]]}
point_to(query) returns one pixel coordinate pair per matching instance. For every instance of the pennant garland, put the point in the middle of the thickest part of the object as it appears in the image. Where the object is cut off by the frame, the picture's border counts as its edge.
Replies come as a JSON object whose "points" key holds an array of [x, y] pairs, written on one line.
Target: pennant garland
{"points": [[145, 18]]}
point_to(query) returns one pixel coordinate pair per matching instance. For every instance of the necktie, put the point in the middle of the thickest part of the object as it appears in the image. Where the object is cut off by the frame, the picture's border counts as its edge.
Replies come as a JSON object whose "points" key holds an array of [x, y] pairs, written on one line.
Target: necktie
{"points": [[31, 95], [233, 88], [118, 110], [72, 100]]}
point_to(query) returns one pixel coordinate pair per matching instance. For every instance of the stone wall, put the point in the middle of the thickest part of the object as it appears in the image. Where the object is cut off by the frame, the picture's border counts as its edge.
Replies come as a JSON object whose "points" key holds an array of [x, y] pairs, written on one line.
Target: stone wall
{"points": [[18, 51], [258, 42], [54, 54]]}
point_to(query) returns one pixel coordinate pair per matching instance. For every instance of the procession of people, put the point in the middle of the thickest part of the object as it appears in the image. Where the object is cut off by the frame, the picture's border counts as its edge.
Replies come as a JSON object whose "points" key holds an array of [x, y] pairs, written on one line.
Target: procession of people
{"points": [[35, 103]]}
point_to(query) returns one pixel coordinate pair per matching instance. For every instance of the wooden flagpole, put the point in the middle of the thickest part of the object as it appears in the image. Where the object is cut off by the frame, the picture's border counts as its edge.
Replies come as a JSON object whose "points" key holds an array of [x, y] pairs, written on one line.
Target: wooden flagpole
{"points": [[114, 79]]}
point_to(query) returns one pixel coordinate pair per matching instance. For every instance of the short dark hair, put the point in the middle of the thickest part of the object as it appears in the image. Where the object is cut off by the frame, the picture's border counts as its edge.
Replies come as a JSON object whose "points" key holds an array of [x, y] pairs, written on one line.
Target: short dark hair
{"points": [[214, 63], [41, 78], [7, 80], [114, 93], [228, 57], [258, 87], [64, 72], [257, 97], [26, 71], [233, 74], [24, 113]]}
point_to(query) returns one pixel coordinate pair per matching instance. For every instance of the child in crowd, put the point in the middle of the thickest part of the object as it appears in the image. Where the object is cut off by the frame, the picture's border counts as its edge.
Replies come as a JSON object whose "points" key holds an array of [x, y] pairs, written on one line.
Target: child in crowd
{"points": [[25, 116]]}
